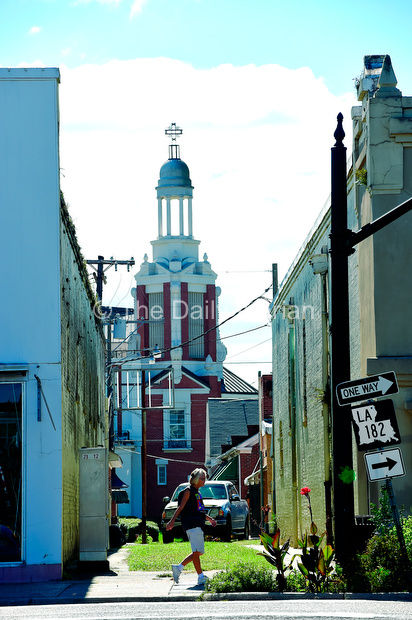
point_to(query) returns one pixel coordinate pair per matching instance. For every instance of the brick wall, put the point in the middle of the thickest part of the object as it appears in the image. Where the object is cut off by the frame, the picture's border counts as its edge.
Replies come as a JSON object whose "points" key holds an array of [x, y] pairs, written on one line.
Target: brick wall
{"points": [[299, 432], [267, 401], [181, 462], [247, 465], [83, 402]]}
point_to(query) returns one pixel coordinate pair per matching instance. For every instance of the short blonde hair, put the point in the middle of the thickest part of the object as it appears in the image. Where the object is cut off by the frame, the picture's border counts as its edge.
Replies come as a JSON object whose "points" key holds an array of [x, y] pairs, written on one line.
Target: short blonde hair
{"points": [[196, 474]]}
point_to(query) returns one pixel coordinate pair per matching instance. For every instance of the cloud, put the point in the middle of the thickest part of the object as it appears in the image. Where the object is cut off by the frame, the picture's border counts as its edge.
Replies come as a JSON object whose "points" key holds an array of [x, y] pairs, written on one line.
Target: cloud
{"points": [[257, 141], [32, 63], [35, 30], [136, 7]]}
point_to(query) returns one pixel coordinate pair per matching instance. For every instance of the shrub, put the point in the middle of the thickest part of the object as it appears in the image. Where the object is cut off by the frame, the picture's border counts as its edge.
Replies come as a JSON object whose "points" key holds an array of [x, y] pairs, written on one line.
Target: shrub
{"points": [[382, 517], [117, 537], [407, 534], [295, 581], [132, 528], [276, 555], [382, 563], [149, 539], [243, 578]]}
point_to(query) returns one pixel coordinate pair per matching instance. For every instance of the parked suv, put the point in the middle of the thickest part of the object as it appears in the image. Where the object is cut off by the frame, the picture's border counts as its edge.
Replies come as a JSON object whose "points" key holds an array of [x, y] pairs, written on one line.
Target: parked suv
{"points": [[222, 502]]}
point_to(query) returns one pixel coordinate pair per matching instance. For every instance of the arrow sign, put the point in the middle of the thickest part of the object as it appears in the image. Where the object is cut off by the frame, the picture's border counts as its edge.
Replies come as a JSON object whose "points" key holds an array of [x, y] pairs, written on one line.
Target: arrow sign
{"points": [[384, 464], [375, 425], [388, 464], [368, 387]]}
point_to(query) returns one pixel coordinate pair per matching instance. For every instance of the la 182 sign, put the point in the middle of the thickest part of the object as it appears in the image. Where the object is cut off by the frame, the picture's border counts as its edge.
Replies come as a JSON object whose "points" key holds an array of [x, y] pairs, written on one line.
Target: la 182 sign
{"points": [[375, 425], [368, 387]]}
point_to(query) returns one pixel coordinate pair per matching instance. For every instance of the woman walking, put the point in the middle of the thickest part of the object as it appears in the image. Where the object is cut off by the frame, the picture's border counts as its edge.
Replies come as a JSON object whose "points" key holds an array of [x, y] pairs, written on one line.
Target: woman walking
{"points": [[193, 516]]}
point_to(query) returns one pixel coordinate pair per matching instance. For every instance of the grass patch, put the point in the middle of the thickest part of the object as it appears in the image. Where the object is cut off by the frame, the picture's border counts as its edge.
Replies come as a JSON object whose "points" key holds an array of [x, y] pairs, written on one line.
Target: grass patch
{"points": [[218, 555]]}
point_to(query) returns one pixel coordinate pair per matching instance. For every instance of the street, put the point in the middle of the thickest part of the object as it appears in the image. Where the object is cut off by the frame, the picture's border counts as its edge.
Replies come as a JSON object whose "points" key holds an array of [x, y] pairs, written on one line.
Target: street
{"points": [[247, 610]]}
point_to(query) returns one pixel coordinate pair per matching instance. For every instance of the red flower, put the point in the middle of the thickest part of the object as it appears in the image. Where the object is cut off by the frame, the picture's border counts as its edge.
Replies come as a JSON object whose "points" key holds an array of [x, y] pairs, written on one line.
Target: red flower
{"points": [[305, 491]]}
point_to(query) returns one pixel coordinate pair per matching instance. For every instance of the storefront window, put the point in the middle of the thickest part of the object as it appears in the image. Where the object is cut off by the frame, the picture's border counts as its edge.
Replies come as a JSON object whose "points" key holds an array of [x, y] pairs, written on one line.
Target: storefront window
{"points": [[10, 471]]}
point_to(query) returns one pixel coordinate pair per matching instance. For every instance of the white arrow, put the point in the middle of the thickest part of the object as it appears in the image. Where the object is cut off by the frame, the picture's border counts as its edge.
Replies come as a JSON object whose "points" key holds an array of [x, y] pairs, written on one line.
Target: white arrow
{"points": [[384, 385]]}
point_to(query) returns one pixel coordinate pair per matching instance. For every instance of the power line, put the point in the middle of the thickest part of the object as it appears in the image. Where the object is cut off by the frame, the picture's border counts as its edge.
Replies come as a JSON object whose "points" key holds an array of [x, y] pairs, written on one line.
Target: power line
{"points": [[250, 348], [265, 362], [219, 324], [182, 344], [152, 456], [247, 331]]}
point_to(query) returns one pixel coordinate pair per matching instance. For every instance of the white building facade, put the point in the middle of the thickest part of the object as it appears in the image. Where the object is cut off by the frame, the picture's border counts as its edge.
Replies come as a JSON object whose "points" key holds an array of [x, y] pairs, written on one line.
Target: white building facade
{"points": [[42, 294]]}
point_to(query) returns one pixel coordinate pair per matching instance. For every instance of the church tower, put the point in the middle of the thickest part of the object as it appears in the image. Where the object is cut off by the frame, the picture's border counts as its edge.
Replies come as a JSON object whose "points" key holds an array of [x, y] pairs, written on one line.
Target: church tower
{"points": [[177, 299], [176, 291]]}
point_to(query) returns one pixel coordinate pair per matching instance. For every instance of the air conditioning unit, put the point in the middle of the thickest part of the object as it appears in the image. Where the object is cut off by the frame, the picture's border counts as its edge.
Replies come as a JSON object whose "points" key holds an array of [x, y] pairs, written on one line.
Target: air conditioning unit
{"points": [[94, 504]]}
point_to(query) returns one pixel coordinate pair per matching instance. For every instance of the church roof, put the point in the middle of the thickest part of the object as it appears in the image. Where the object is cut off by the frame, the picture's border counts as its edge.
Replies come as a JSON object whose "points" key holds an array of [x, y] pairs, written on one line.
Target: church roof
{"points": [[174, 172], [232, 384], [198, 379], [230, 418]]}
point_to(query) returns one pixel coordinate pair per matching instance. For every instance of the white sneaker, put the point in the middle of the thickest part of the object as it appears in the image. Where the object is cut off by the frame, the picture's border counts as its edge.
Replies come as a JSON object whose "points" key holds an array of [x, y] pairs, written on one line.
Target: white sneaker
{"points": [[201, 580], [176, 570]]}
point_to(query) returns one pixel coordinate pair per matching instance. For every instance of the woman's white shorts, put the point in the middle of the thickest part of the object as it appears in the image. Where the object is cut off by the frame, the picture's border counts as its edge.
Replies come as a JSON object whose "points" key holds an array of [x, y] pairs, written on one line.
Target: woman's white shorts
{"points": [[196, 539]]}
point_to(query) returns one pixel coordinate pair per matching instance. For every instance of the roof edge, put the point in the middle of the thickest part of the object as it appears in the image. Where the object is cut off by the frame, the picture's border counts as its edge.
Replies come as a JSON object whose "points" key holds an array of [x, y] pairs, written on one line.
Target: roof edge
{"points": [[30, 73]]}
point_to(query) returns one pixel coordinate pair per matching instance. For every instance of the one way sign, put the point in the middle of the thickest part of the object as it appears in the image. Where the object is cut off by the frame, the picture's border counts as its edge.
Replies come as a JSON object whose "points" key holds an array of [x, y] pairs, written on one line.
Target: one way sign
{"points": [[368, 387]]}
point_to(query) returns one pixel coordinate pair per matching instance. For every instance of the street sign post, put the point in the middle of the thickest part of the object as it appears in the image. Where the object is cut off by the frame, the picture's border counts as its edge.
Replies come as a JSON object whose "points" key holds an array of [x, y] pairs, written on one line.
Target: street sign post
{"points": [[384, 464], [375, 425], [368, 387]]}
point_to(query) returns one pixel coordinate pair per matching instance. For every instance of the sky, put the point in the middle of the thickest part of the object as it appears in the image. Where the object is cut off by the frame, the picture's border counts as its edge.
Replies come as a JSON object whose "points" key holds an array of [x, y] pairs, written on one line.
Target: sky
{"points": [[256, 86]]}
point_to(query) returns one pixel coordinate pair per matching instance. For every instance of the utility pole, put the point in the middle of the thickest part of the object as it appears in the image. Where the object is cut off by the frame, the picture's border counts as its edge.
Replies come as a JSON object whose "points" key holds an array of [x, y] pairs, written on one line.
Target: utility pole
{"points": [[99, 270], [109, 383]]}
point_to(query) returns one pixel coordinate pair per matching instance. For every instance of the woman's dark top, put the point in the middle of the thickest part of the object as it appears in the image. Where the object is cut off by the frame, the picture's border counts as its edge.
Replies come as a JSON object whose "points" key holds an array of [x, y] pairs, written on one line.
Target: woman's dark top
{"points": [[194, 511]]}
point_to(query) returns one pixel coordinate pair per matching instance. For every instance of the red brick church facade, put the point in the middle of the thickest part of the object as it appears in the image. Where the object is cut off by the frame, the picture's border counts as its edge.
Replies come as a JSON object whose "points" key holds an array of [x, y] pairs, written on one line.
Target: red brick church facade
{"points": [[176, 299]]}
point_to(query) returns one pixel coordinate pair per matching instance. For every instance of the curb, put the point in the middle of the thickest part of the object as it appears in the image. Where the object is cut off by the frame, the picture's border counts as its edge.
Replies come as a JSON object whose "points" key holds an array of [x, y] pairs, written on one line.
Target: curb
{"points": [[210, 596]]}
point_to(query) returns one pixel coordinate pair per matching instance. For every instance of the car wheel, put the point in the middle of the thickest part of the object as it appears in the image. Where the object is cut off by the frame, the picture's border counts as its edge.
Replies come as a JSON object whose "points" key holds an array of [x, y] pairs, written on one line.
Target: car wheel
{"points": [[246, 531], [227, 532], [168, 537]]}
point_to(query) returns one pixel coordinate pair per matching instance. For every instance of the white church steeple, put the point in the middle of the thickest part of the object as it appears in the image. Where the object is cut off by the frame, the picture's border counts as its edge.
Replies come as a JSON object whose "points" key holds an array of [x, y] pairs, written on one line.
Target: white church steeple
{"points": [[174, 192], [174, 199]]}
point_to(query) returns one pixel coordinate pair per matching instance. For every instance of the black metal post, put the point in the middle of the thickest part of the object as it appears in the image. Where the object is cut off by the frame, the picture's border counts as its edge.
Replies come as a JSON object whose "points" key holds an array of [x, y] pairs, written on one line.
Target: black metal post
{"points": [[373, 227], [143, 456], [398, 524], [343, 504], [262, 513]]}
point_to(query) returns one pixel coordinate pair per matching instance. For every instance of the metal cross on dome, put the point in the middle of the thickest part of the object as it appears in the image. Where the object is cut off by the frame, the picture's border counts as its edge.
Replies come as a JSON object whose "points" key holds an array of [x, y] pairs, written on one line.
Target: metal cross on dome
{"points": [[173, 131]]}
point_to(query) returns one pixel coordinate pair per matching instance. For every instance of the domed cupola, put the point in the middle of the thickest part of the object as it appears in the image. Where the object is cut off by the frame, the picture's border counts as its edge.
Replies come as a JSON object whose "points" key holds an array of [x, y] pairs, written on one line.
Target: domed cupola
{"points": [[174, 173]]}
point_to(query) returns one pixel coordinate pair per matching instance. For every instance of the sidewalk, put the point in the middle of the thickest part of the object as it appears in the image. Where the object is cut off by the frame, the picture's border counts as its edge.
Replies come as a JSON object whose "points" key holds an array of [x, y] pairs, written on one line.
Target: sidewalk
{"points": [[120, 585]]}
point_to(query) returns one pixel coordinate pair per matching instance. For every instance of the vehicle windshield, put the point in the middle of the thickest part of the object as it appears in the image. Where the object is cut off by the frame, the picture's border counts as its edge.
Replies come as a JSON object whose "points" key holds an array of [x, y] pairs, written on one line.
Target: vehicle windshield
{"points": [[177, 491], [213, 491], [209, 491]]}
